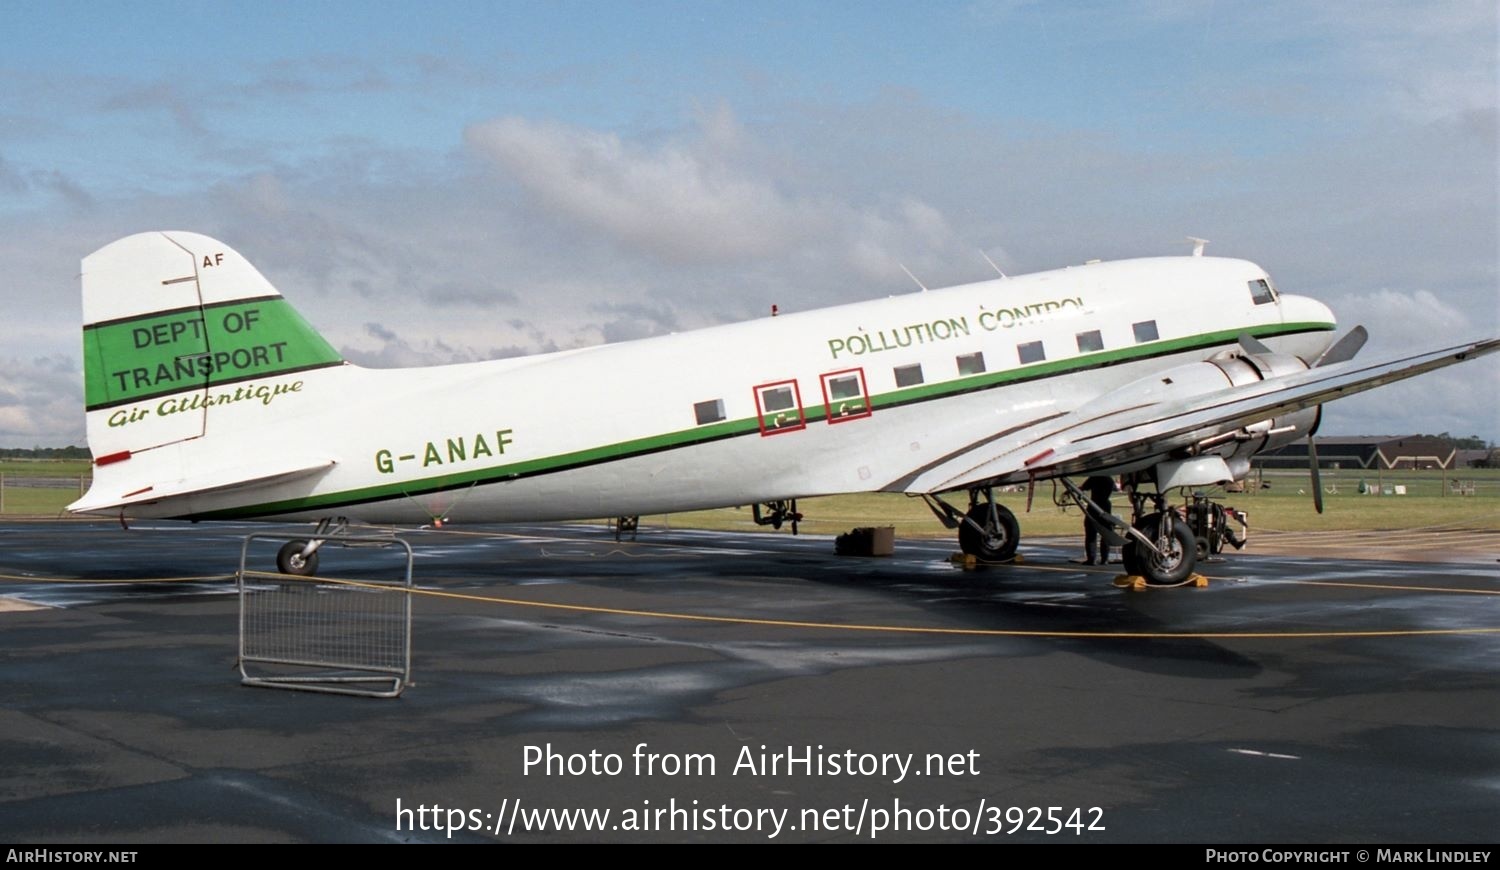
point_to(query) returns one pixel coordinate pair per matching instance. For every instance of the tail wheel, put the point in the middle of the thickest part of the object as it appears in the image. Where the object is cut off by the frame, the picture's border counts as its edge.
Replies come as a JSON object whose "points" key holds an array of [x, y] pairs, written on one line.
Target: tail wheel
{"points": [[289, 560], [998, 541], [1178, 556]]}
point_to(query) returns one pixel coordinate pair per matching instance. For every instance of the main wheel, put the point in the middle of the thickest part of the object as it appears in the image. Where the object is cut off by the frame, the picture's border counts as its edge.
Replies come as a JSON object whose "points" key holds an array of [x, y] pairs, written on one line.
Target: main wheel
{"points": [[289, 560], [997, 543], [1176, 561]]}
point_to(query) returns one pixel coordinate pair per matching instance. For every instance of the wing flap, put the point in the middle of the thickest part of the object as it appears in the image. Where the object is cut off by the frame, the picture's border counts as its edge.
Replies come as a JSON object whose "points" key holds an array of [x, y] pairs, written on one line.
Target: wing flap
{"points": [[1082, 441]]}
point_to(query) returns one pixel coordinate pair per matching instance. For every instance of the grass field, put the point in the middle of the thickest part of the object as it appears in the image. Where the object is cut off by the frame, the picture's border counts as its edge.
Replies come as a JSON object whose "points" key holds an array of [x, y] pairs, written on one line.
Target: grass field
{"points": [[1284, 506], [20, 493], [44, 467]]}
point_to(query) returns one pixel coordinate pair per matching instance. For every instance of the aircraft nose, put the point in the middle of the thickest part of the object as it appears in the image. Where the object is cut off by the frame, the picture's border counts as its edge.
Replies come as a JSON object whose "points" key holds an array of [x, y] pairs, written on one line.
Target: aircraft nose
{"points": [[1305, 309], [1315, 318]]}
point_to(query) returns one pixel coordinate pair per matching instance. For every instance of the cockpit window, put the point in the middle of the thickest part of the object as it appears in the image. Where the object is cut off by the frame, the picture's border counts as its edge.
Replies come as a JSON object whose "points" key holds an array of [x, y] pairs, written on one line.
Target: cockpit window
{"points": [[1261, 291]]}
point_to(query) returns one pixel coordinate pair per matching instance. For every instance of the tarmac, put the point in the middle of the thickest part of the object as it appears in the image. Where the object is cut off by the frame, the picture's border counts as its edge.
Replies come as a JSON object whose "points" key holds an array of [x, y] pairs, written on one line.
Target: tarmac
{"points": [[729, 687]]}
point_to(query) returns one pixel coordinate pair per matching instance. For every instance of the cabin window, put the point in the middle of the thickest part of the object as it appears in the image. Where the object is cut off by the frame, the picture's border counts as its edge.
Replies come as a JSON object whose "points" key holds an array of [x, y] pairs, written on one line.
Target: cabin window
{"points": [[1031, 352], [779, 407], [711, 411], [971, 363], [1090, 341], [845, 396], [1145, 331], [1261, 292], [908, 376]]}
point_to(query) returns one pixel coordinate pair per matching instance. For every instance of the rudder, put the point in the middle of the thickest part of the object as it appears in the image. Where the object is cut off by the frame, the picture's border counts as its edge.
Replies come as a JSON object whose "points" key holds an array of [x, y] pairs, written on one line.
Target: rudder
{"points": [[170, 320]]}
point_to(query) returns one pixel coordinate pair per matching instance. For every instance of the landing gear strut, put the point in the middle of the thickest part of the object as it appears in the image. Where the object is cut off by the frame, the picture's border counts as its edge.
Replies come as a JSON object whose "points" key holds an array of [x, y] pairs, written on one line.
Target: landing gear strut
{"points": [[294, 558], [1159, 546], [777, 513], [988, 530], [1163, 549]]}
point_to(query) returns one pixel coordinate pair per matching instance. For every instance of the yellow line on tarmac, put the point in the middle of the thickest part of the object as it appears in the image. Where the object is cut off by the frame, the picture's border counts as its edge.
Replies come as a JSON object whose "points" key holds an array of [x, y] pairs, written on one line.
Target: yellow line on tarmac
{"points": [[901, 629], [1353, 585], [1389, 586]]}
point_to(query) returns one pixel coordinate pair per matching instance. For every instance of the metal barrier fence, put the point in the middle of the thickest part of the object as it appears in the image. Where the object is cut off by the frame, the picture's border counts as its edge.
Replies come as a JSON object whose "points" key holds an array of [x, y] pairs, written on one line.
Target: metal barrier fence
{"points": [[38, 493], [321, 634]]}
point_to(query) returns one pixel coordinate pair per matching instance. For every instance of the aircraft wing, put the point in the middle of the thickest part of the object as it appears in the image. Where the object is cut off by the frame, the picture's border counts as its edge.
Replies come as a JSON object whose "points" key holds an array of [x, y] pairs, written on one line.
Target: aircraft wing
{"points": [[1083, 440], [222, 480]]}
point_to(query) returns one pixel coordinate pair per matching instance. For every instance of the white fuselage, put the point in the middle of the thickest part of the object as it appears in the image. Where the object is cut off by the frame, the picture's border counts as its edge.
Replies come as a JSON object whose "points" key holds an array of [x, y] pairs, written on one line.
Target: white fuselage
{"points": [[630, 428]]}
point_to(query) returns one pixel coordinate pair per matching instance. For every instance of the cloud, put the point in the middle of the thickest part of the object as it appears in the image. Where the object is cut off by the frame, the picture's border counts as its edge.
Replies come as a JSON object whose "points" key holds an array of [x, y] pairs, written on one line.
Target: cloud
{"points": [[1460, 400], [393, 351], [1436, 64], [635, 320], [700, 199], [1405, 320], [674, 201], [18, 182], [380, 332], [533, 234], [41, 401], [168, 97], [11, 180], [456, 293]]}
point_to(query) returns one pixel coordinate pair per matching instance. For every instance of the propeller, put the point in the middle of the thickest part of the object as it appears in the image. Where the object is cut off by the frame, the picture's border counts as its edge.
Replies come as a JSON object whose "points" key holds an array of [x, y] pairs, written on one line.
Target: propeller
{"points": [[1345, 348], [1312, 466], [1342, 350], [1253, 345]]}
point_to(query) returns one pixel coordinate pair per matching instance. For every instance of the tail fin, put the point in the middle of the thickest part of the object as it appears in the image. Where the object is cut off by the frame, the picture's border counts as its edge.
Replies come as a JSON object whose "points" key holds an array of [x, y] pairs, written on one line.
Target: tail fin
{"points": [[170, 320]]}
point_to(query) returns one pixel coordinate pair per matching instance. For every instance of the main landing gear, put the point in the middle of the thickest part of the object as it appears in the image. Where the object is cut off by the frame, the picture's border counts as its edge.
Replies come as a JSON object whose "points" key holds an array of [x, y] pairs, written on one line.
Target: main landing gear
{"points": [[626, 525], [1161, 547], [988, 530], [1161, 544]]}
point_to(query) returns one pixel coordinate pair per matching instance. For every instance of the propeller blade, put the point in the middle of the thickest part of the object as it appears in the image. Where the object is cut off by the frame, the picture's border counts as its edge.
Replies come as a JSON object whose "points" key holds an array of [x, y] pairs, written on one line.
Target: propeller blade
{"points": [[1345, 348], [1252, 345], [1317, 479]]}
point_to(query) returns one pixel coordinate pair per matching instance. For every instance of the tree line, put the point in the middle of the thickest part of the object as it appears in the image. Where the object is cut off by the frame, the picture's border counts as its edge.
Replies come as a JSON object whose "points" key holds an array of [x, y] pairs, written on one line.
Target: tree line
{"points": [[45, 453]]}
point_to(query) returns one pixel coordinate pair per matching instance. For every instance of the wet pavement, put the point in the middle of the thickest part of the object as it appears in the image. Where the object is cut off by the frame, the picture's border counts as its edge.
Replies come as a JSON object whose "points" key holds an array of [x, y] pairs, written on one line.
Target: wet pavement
{"points": [[703, 686]]}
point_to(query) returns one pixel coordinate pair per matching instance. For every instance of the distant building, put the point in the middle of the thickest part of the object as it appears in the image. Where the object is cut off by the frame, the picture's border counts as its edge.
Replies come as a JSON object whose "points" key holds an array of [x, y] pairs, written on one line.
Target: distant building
{"points": [[1374, 452]]}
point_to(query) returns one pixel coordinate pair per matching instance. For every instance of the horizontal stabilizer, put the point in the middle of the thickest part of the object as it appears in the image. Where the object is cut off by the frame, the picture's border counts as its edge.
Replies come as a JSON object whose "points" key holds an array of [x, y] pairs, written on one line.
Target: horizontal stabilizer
{"points": [[235, 478]]}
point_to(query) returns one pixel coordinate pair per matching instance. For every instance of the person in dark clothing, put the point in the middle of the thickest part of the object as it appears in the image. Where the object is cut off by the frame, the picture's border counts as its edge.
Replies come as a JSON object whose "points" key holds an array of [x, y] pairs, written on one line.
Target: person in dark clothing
{"points": [[1099, 489]]}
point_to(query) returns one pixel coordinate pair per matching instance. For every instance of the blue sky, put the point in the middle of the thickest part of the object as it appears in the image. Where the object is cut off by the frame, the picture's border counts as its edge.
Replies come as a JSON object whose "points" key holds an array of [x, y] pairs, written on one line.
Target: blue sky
{"points": [[307, 76], [451, 181]]}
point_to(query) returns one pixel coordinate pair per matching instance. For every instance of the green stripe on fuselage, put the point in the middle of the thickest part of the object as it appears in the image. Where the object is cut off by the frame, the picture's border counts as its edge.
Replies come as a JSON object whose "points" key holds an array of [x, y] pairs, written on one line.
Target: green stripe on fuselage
{"points": [[749, 426], [160, 354]]}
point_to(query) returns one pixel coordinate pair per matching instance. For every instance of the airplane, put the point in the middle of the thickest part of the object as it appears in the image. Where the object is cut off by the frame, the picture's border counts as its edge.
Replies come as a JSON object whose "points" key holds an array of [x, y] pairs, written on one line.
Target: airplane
{"points": [[208, 397]]}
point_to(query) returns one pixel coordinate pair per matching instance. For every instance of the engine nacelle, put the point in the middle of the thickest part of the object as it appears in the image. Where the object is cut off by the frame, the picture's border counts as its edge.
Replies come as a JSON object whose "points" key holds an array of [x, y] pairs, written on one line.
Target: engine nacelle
{"points": [[1266, 434], [1228, 369]]}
